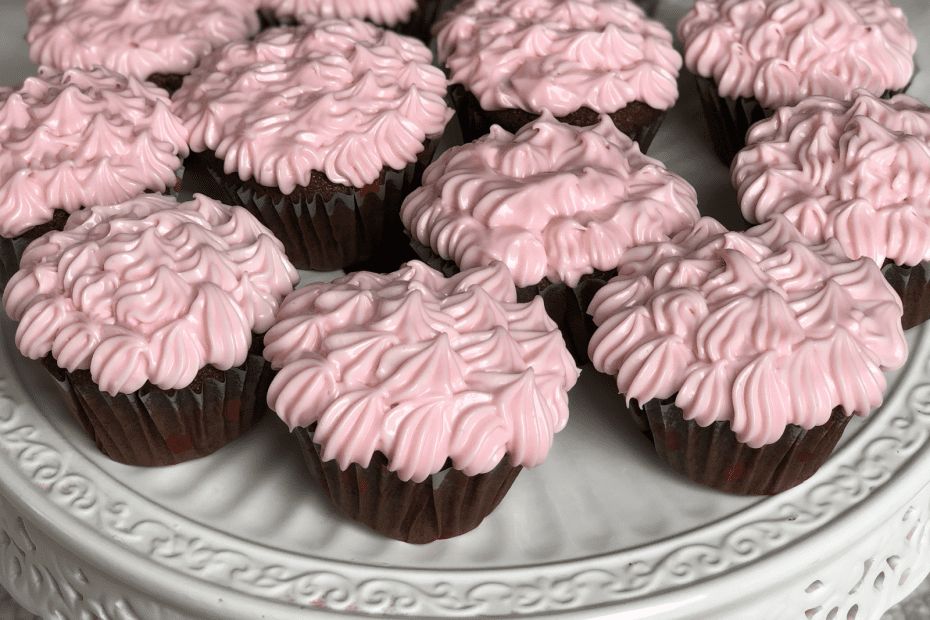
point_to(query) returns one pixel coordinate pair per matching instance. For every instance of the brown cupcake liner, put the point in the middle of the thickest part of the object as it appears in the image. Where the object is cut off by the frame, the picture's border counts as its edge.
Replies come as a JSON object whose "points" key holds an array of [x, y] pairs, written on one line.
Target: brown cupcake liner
{"points": [[713, 457], [565, 305], [729, 119], [325, 225], [153, 427], [912, 284], [637, 120], [444, 505]]}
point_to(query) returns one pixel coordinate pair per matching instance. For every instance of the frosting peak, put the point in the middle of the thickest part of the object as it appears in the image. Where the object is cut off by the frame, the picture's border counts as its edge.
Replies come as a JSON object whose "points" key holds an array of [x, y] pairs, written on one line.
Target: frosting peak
{"points": [[760, 329], [81, 138], [781, 51], [552, 200], [342, 97], [421, 368], [559, 55], [149, 290], [857, 171]]}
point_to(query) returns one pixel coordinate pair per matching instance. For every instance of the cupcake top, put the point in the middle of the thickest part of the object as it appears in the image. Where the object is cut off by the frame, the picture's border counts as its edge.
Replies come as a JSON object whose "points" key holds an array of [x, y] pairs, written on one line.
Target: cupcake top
{"points": [[342, 97], [134, 37], [81, 138], [149, 290], [552, 200], [559, 55], [382, 12], [857, 171], [781, 51], [760, 329], [421, 368]]}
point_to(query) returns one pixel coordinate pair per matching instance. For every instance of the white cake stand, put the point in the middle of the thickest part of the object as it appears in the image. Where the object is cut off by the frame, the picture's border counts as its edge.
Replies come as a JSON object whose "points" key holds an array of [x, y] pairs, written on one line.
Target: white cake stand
{"points": [[600, 530]]}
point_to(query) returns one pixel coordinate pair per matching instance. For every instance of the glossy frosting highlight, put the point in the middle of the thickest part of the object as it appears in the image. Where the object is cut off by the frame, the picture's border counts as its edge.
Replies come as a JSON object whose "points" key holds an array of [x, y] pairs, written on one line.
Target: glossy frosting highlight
{"points": [[761, 329], [781, 51], [343, 97], [559, 55], [422, 368], [149, 290], [134, 37], [552, 200], [81, 138], [381, 12], [857, 171]]}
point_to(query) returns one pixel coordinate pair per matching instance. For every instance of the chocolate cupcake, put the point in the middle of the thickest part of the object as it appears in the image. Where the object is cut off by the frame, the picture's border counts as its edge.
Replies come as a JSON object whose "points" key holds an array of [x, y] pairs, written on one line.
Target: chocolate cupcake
{"points": [[511, 60], [158, 41], [856, 171], [76, 139], [147, 313], [418, 398], [750, 58], [560, 205], [319, 130], [744, 354]]}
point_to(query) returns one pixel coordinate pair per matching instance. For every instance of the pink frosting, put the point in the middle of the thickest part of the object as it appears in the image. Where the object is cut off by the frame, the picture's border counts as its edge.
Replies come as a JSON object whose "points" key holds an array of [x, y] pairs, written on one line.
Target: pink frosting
{"points": [[554, 201], [345, 98], [149, 290], [421, 368], [383, 12], [134, 37], [761, 329], [781, 51], [81, 138], [559, 55], [857, 171]]}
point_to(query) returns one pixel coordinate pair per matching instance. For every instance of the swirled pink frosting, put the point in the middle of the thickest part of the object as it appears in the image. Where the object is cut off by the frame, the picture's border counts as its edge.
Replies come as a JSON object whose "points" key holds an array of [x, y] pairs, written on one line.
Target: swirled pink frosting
{"points": [[382, 12], [781, 51], [760, 329], [857, 171], [134, 37], [559, 55], [421, 368], [81, 138], [343, 97], [552, 200], [149, 290]]}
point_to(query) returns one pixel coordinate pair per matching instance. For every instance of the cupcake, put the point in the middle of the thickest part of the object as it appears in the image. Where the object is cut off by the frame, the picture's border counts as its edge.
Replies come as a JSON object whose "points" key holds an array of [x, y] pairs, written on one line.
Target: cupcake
{"points": [[158, 41], [745, 354], [413, 18], [418, 399], [75, 139], [855, 171], [147, 312], [752, 57], [560, 205], [578, 59], [318, 130]]}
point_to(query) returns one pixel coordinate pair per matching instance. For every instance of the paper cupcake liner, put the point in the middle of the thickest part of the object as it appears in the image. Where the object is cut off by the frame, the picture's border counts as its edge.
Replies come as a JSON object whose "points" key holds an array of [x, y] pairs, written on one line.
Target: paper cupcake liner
{"points": [[565, 305], [332, 227], [729, 119], [712, 456], [153, 427], [638, 121], [444, 505], [912, 284]]}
